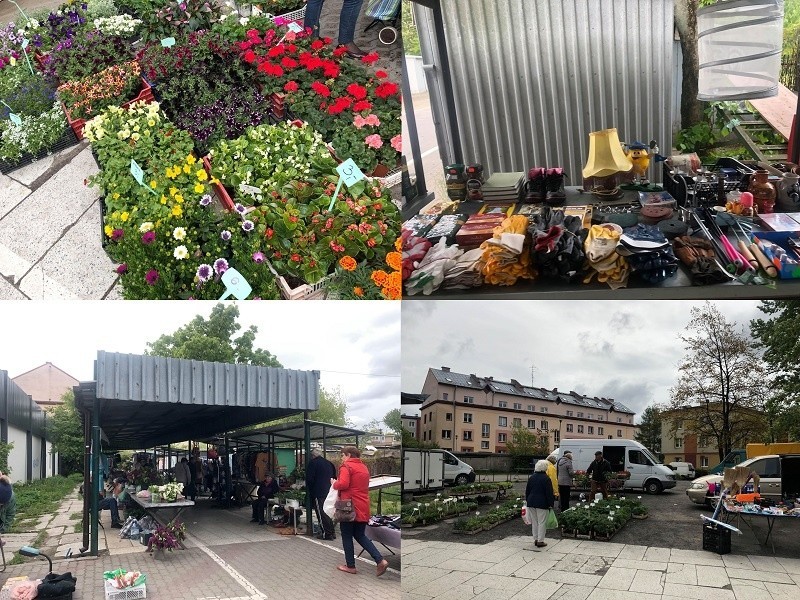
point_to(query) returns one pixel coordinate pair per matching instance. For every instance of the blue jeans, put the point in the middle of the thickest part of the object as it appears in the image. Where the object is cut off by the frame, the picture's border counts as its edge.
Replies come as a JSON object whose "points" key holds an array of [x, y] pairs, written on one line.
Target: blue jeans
{"points": [[110, 504], [357, 530], [347, 18]]}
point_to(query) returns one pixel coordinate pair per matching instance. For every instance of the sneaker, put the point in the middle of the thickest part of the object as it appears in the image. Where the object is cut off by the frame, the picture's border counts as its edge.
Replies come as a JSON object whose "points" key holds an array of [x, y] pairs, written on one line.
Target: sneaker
{"points": [[554, 185], [346, 569], [536, 185], [382, 566], [116, 525]]}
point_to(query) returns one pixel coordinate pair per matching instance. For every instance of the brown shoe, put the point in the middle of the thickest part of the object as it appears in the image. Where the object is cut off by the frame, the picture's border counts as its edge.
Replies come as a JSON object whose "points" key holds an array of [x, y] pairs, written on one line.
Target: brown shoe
{"points": [[346, 569], [354, 51], [540, 544], [382, 566]]}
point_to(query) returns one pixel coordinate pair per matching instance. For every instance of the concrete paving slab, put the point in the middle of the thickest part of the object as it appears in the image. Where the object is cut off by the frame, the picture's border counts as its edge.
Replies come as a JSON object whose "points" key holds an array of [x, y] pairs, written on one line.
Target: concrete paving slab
{"points": [[497, 583], [11, 194], [28, 174], [572, 592], [697, 592], [648, 582], [779, 591], [712, 576], [603, 594], [633, 552], [759, 576], [573, 578], [439, 587], [645, 565], [736, 561], [538, 590], [681, 573], [8, 291], [458, 564], [618, 578], [534, 569], [458, 592], [746, 592], [415, 576], [767, 563], [791, 565], [695, 557], [511, 564], [657, 554]]}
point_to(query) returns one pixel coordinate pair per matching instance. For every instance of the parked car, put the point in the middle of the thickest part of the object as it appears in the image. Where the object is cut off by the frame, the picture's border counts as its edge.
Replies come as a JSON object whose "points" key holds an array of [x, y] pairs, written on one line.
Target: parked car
{"points": [[682, 469], [767, 467]]}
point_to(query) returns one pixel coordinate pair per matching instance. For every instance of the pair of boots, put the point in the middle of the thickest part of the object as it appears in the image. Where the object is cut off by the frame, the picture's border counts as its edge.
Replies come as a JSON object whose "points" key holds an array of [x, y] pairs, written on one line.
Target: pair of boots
{"points": [[546, 185]]}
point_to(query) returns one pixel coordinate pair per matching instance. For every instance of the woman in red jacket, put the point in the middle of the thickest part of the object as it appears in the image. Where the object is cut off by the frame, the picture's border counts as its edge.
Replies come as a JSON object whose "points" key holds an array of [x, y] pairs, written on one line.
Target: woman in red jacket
{"points": [[353, 484]]}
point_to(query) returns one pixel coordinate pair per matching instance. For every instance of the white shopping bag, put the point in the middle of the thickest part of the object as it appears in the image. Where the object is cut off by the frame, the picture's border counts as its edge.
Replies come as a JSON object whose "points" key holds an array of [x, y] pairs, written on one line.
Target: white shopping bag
{"points": [[329, 506], [526, 515]]}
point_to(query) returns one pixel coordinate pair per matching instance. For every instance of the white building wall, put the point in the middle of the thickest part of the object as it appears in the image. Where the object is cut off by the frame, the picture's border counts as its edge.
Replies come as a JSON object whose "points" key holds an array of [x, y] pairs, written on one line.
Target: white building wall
{"points": [[36, 458], [17, 459]]}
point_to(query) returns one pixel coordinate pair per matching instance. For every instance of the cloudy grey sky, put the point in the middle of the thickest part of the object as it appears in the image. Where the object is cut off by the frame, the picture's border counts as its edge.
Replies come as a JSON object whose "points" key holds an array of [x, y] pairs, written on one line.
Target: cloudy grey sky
{"points": [[355, 345], [613, 349]]}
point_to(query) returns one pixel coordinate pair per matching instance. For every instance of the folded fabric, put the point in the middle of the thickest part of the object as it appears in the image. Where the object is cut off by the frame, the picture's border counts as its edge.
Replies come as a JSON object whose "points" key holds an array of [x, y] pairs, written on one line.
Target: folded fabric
{"points": [[699, 256], [429, 272], [602, 258], [25, 590], [601, 241]]}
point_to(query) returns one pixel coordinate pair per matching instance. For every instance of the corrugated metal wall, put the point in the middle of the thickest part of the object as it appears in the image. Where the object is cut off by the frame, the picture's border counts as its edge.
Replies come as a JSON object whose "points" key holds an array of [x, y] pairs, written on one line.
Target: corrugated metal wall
{"points": [[159, 379], [532, 78], [21, 419]]}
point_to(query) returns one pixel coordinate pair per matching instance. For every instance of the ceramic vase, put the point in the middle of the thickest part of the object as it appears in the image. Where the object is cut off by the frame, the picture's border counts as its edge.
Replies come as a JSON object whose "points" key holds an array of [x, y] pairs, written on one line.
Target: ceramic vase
{"points": [[763, 191]]}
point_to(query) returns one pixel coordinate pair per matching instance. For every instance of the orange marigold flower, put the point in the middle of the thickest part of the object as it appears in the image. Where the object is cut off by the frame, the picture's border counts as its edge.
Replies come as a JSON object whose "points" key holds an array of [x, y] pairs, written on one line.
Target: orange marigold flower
{"points": [[358, 291], [348, 263], [394, 260], [395, 279], [398, 244], [391, 292], [379, 278]]}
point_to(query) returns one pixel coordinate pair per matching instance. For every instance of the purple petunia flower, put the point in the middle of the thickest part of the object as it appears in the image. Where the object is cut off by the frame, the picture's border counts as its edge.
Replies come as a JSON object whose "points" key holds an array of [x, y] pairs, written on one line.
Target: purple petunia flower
{"points": [[204, 272], [225, 235], [248, 225], [258, 257], [220, 266], [205, 200], [151, 277], [149, 237], [117, 234], [239, 208], [122, 269]]}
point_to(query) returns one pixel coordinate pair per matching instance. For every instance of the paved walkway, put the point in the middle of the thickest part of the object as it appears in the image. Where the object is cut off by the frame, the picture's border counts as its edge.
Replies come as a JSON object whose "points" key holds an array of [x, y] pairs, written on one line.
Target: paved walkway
{"points": [[580, 570], [227, 558]]}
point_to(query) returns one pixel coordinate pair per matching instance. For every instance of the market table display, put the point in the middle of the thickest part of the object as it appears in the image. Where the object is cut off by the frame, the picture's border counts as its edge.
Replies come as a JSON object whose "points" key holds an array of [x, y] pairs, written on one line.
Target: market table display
{"points": [[381, 528], [160, 510], [743, 512]]}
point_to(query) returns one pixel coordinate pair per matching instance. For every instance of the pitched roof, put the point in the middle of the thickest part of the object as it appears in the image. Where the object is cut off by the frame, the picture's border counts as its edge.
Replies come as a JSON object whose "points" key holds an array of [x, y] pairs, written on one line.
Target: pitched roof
{"points": [[515, 388]]}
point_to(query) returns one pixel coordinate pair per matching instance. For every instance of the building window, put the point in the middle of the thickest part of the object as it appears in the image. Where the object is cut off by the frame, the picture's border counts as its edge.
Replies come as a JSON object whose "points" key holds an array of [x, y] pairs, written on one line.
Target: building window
{"points": [[580, 428], [543, 409], [619, 432], [599, 431], [424, 419], [600, 418], [444, 395], [619, 419], [484, 445], [517, 406], [678, 459], [485, 430], [678, 443], [467, 417], [469, 399], [448, 416], [704, 441], [569, 427], [590, 429], [569, 413], [679, 425], [446, 434], [580, 415], [704, 461], [531, 408], [517, 422], [589, 416], [502, 421], [501, 437], [502, 404], [531, 424], [466, 449], [544, 426], [556, 436], [467, 436]]}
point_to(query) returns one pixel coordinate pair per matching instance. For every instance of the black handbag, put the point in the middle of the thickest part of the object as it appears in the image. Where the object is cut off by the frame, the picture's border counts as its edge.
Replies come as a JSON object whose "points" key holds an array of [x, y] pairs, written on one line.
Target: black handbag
{"points": [[344, 512]]}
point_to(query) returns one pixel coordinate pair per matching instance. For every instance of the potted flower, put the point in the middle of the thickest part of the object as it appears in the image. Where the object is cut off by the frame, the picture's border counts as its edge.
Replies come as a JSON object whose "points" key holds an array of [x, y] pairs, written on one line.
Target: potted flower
{"points": [[166, 538], [170, 491]]}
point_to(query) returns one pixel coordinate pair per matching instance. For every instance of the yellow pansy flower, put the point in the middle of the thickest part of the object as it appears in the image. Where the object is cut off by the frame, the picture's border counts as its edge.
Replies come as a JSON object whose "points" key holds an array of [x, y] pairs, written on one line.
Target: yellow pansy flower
{"points": [[173, 191], [178, 198], [153, 184], [151, 123], [115, 195], [177, 211], [199, 188], [187, 169], [124, 216], [191, 159], [202, 175], [163, 199], [109, 230]]}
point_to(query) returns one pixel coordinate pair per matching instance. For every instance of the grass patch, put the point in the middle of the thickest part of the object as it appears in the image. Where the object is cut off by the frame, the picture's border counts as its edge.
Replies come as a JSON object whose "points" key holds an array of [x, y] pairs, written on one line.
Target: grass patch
{"points": [[41, 497], [390, 504], [78, 516], [78, 527]]}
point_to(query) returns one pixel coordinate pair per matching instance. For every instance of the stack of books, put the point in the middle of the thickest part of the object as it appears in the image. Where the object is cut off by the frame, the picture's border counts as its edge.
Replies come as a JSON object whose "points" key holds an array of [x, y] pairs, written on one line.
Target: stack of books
{"points": [[504, 187]]}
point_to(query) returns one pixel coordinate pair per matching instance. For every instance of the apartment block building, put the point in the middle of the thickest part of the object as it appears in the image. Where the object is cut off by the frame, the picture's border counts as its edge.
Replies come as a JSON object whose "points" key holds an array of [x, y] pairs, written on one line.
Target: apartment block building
{"points": [[467, 413], [46, 384], [411, 424]]}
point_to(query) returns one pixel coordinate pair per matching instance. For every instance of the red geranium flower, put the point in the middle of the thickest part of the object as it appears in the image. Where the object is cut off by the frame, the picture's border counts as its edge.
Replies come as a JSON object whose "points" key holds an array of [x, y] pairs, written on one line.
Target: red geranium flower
{"points": [[362, 106], [245, 45], [291, 86], [276, 51], [253, 33], [370, 58], [321, 89], [317, 45], [331, 70], [357, 91], [270, 69], [340, 51], [289, 63], [249, 56], [387, 89], [381, 74]]}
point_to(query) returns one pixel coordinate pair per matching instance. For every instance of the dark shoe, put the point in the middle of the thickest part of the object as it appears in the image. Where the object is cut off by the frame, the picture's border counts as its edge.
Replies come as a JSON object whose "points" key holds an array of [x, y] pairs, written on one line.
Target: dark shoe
{"points": [[554, 184], [346, 569], [254, 520], [382, 566], [540, 544], [536, 187], [116, 525], [329, 537], [262, 522], [354, 51]]}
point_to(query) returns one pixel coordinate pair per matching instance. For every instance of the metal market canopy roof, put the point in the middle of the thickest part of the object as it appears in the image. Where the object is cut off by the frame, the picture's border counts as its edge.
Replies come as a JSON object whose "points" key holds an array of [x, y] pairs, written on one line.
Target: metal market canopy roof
{"points": [[288, 432], [150, 400]]}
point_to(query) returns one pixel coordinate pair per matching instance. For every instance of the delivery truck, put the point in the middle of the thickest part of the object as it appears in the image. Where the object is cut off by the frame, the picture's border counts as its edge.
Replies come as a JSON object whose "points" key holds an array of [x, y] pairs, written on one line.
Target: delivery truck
{"points": [[431, 469]]}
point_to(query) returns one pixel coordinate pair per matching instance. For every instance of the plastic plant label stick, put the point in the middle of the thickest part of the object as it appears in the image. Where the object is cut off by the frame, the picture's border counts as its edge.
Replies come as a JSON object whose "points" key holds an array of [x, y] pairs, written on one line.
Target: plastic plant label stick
{"points": [[293, 26], [350, 172], [25, 43], [138, 175], [168, 42], [15, 119], [235, 285], [250, 189]]}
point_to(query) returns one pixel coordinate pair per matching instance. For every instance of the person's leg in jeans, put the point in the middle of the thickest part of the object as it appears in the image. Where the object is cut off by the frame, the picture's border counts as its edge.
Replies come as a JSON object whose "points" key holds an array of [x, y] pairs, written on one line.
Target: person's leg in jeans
{"points": [[360, 533], [313, 11], [110, 504], [347, 27], [346, 529], [563, 494]]}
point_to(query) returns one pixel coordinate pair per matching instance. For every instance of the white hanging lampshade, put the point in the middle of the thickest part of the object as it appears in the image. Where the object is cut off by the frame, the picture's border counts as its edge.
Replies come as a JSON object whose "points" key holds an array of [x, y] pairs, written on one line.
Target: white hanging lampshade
{"points": [[739, 49]]}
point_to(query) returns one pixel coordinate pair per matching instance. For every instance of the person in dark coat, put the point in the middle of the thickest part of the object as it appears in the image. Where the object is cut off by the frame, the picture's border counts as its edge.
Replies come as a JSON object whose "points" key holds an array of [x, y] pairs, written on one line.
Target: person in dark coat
{"points": [[319, 473], [266, 490], [597, 470], [539, 498]]}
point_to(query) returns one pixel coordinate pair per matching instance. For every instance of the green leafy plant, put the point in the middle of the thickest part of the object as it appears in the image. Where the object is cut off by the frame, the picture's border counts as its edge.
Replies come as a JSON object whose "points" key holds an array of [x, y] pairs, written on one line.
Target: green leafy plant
{"points": [[715, 128]]}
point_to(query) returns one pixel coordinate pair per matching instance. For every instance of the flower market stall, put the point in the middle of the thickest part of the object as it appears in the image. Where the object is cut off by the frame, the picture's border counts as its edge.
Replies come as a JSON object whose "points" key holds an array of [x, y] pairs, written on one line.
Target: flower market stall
{"points": [[186, 106]]}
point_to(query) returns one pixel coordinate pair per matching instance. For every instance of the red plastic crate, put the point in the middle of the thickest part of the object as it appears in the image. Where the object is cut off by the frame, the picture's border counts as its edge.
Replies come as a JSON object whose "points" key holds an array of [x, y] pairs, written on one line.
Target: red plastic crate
{"points": [[224, 196], [145, 94]]}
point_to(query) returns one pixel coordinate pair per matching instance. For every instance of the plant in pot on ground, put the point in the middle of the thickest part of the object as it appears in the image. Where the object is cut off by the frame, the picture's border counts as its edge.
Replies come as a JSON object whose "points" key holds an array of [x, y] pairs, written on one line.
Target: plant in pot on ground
{"points": [[110, 87], [178, 17], [167, 537], [87, 53], [58, 25]]}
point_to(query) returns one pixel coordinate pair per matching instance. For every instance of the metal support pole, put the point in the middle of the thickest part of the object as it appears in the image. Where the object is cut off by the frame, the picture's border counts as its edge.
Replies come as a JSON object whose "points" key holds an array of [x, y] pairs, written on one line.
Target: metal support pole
{"points": [[87, 486], [307, 455], [95, 514], [413, 136], [447, 80], [794, 151]]}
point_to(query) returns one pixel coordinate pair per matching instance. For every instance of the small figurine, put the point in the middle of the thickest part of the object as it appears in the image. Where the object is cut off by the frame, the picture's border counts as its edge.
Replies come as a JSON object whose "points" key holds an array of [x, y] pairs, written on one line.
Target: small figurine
{"points": [[639, 156]]}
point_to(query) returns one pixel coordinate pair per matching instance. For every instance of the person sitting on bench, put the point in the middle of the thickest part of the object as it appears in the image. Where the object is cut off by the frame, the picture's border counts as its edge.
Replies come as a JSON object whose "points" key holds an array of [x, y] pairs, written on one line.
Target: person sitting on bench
{"points": [[266, 490], [108, 501]]}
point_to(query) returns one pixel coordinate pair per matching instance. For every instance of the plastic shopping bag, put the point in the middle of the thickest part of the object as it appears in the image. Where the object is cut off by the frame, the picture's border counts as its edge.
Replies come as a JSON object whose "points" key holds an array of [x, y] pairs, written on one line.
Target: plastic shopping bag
{"points": [[552, 520], [526, 515], [329, 506]]}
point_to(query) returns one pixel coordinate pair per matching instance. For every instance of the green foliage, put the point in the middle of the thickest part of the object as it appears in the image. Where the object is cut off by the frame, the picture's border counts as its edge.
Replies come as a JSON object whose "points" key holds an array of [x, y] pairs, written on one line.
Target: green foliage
{"points": [[603, 517], [390, 501], [5, 450], [66, 432], [410, 34], [212, 339], [649, 434], [393, 421], [525, 442], [715, 128], [409, 441], [41, 497]]}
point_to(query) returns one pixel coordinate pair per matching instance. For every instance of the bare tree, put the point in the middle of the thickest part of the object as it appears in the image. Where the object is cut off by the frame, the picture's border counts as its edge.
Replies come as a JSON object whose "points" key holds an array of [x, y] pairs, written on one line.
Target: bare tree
{"points": [[722, 381]]}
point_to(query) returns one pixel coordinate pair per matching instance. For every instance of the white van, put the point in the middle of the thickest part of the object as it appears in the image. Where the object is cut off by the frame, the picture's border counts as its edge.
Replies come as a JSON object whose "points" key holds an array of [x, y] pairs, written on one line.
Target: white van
{"points": [[432, 469], [683, 469], [624, 455]]}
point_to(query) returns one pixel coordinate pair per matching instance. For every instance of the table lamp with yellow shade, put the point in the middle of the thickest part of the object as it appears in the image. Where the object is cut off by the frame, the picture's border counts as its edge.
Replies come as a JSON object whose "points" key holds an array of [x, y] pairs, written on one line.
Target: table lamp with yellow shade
{"points": [[606, 159]]}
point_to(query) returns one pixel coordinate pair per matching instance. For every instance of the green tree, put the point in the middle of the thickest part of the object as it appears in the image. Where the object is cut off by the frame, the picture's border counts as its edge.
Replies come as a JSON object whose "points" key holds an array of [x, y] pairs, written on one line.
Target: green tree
{"points": [[649, 434], [65, 431], [394, 421], [409, 441], [778, 336], [721, 379], [525, 442], [213, 339]]}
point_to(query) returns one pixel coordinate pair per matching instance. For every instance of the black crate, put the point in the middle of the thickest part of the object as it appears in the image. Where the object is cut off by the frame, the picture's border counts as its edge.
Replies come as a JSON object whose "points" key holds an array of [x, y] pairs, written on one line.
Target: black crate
{"points": [[682, 187], [716, 539], [66, 140]]}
